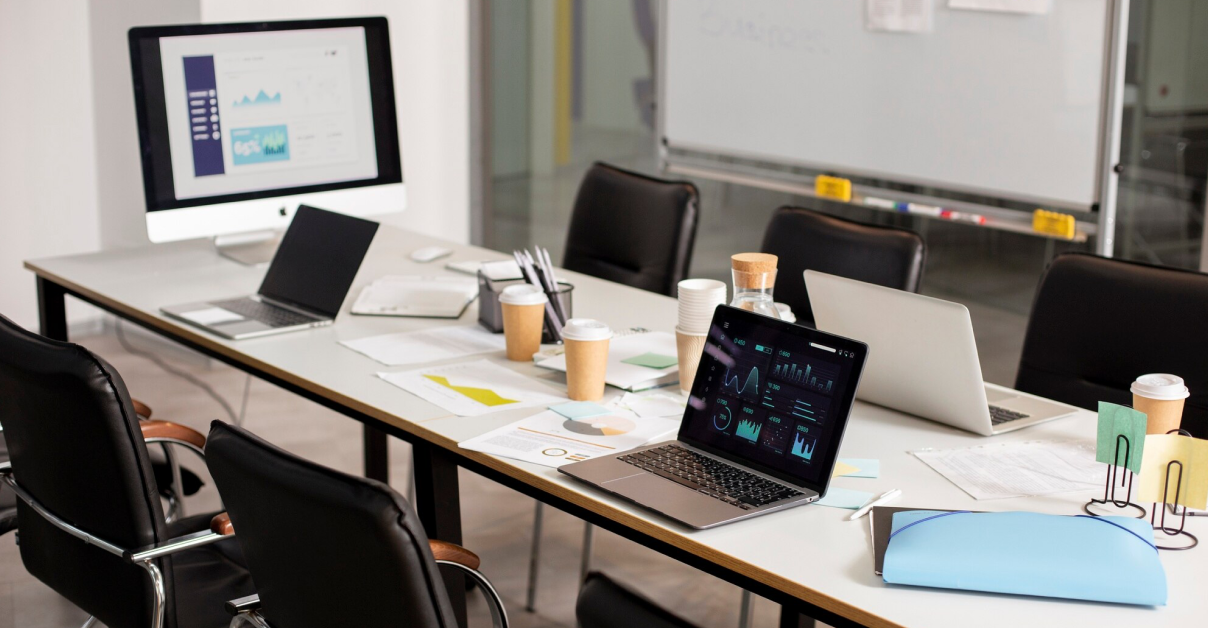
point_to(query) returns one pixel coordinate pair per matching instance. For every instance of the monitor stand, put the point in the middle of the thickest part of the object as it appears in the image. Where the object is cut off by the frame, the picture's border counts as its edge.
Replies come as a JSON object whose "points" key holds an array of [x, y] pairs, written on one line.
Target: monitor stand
{"points": [[254, 248]]}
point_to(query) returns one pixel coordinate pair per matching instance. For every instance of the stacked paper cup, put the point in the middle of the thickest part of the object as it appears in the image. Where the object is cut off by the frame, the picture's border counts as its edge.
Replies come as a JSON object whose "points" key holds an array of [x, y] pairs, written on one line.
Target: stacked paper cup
{"points": [[697, 300]]}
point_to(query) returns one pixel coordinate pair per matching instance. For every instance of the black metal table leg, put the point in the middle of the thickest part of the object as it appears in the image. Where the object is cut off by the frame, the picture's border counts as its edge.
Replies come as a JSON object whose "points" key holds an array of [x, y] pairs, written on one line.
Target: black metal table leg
{"points": [[438, 502], [377, 454], [52, 309], [790, 618]]}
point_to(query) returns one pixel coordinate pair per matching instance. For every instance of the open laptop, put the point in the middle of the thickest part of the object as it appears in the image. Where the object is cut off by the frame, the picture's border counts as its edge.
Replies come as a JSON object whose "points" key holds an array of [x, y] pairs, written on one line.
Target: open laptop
{"points": [[926, 362], [305, 285], [761, 432]]}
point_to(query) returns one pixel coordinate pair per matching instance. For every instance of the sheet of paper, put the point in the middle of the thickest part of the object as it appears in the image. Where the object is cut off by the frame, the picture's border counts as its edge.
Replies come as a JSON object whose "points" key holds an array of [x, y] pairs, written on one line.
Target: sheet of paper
{"points": [[552, 440], [861, 467], [898, 16], [1035, 7], [1115, 421], [579, 409], [212, 316], [655, 404], [652, 360], [1190, 487], [1019, 469], [474, 388], [844, 498], [433, 345]]}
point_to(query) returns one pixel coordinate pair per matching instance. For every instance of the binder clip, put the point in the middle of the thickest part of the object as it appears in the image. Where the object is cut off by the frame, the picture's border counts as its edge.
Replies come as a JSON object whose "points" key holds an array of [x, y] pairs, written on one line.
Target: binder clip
{"points": [[1174, 466], [1109, 489]]}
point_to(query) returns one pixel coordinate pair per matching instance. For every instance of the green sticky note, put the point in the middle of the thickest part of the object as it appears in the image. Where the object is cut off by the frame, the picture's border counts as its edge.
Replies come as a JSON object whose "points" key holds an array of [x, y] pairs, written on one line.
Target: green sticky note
{"points": [[653, 360], [1114, 421]]}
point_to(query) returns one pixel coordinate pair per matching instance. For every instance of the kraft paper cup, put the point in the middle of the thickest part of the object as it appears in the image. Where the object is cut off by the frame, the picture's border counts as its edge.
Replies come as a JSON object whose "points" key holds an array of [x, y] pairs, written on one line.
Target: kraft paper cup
{"points": [[523, 309], [1161, 397], [688, 347], [586, 343]]}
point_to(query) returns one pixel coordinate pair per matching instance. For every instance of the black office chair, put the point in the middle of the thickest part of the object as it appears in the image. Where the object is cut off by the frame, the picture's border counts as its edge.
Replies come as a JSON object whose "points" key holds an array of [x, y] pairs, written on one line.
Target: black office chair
{"points": [[89, 517], [1098, 323], [330, 549], [804, 239], [632, 229]]}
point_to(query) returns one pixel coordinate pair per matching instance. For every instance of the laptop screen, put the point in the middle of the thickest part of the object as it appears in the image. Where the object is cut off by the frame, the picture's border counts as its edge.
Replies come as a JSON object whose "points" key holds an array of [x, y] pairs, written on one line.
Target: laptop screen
{"points": [[317, 259], [773, 396]]}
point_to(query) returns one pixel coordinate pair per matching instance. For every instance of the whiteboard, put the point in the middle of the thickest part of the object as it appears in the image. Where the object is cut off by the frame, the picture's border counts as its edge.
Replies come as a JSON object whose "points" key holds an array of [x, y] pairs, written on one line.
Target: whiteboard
{"points": [[1005, 105]]}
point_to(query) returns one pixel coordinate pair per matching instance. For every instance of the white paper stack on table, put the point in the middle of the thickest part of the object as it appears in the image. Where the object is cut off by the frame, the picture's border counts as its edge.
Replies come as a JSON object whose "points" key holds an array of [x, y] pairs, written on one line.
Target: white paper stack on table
{"points": [[425, 297], [698, 298], [632, 377]]}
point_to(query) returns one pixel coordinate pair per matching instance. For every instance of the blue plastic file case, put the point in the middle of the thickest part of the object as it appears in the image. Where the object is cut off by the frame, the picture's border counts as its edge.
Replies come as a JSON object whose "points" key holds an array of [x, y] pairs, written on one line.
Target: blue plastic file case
{"points": [[1104, 559]]}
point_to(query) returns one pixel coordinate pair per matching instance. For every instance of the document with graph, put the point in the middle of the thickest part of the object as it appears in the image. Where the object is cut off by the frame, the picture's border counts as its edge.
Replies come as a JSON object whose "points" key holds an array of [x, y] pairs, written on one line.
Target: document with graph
{"points": [[474, 388], [551, 439]]}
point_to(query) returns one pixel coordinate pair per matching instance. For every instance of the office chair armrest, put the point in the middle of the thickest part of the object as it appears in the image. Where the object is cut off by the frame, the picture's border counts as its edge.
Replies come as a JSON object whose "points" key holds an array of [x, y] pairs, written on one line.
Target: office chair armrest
{"points": [[168, 432], [243, 604], [143, 410], [221, 524], [452, 553], [172, 546]]}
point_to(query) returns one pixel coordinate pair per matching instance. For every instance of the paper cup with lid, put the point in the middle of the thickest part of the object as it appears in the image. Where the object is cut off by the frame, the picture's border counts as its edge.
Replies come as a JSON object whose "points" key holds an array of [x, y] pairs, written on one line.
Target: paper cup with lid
{"points": [[586, 342], [523, 307], [1161, 397]]}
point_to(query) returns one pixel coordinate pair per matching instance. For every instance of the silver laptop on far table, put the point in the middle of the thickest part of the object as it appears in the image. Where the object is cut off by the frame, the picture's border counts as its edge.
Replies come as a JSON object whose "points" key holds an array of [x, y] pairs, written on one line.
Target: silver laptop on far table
{"points": [[926, 362], [761, 432], [305, 285]]}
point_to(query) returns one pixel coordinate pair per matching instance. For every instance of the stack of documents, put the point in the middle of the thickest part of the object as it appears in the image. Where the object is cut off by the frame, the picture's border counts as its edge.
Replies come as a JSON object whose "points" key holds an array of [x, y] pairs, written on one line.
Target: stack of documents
{"points": [[427, 297]]}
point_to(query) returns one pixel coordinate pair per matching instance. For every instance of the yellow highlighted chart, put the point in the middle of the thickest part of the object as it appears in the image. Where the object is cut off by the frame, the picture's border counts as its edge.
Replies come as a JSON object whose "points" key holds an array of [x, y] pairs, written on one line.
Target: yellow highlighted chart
{"points": [[485, 396]]}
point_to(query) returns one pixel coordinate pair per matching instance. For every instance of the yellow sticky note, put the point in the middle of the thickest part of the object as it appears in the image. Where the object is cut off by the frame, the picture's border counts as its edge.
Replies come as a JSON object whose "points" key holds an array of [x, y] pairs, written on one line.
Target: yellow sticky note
{"points": [[833, 187], [1191, 486], [842, 468]]}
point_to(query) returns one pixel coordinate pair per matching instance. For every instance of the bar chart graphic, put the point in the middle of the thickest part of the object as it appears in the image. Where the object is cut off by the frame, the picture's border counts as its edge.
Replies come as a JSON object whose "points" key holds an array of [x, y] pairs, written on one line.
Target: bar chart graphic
{"points": [[748, 429], [803, 446], [808, 373], [795, 402]]}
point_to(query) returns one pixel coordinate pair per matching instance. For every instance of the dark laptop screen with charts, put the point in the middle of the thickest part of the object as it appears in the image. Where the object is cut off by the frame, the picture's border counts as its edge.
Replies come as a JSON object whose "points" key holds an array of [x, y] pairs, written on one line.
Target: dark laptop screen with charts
{"points": [[773, 396]]}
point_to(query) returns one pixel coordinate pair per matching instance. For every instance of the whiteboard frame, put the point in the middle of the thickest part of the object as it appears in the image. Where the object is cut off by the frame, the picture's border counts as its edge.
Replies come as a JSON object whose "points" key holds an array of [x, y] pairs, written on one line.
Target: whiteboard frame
{"points": [[1107, 158]]}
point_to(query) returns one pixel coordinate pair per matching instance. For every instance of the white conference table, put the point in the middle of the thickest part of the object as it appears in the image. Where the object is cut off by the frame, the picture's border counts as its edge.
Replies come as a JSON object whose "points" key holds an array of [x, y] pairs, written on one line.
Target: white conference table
{"points": [[809, 559]]}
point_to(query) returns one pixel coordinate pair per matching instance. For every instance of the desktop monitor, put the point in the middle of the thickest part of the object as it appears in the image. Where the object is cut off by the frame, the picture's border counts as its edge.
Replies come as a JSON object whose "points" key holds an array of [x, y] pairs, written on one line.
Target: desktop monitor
{"points": [[239, 124]]}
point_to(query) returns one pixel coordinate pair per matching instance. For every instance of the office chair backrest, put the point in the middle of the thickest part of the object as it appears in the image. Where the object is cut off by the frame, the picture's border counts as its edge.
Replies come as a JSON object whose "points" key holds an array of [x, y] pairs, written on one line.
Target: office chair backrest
{"points": [[76, 448], [632, 229], [1098, 323], [804, 240], [324, 548]]}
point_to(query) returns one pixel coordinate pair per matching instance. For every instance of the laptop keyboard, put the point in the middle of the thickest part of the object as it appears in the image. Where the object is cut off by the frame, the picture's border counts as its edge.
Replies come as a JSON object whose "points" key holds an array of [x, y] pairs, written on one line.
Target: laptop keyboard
{"points": [[998, 415], [709, 476], [270, 315]]}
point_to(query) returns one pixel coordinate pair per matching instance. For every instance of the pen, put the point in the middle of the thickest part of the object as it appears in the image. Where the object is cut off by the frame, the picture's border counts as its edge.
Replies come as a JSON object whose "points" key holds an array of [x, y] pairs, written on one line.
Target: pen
{"points": [[885, 497]]}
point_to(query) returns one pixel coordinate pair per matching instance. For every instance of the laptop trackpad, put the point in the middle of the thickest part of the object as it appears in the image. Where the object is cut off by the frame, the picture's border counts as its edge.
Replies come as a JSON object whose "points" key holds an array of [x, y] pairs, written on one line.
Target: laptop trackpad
{"points": [[995, 396], [674, 500]]}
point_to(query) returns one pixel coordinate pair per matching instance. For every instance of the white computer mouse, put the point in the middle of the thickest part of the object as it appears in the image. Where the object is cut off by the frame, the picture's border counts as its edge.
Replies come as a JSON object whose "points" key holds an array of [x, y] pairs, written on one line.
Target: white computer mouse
{"points": [[429, 253]]}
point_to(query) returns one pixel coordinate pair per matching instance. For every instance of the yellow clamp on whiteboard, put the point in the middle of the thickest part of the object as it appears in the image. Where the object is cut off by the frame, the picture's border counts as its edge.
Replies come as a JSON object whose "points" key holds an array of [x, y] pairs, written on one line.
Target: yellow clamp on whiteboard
{"points": [[1053, 223], [833, 187]]}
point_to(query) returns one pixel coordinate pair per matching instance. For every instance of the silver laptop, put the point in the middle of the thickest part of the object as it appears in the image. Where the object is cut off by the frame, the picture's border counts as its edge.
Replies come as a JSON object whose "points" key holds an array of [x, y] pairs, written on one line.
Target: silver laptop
{"points": [[761, 432], [926, 362], [305, 285]]}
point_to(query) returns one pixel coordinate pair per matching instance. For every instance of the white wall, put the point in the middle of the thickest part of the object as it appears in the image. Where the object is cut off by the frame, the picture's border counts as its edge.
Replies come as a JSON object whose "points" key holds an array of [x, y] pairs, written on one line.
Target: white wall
{"points": [[430, 45], [47, 176]]}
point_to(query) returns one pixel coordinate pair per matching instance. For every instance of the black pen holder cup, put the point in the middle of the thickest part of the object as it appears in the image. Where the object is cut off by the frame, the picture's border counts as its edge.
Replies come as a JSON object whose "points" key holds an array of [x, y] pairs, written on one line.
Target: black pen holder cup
{"points": [[490, 313]]}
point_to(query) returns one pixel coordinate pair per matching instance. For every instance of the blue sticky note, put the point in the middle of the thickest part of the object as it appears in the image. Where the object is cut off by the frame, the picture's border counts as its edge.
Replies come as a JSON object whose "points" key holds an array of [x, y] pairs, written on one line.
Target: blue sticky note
{"points": [[580, 409], [844, 498], [868, 467]]}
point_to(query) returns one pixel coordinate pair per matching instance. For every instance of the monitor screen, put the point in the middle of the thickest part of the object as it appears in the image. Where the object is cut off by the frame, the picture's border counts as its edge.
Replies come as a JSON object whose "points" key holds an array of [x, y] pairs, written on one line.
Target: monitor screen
{"points": [[773, 395], [233, 112]]}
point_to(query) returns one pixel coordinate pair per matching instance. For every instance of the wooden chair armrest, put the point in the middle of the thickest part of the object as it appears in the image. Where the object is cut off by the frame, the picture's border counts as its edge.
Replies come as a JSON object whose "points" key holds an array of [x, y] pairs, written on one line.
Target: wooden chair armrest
{"points": [[173, 431], [142, 409], [454, 554], [221, 524]]}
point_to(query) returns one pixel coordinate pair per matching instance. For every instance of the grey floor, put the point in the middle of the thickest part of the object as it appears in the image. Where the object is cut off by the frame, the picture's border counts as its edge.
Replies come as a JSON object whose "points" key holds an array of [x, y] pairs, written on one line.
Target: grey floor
{"points": [[497, 520]]}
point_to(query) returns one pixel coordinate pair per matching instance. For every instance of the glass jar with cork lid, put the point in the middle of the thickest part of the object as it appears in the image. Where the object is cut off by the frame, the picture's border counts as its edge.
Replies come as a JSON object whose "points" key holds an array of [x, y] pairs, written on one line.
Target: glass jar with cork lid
{"points": [[754, 280]]}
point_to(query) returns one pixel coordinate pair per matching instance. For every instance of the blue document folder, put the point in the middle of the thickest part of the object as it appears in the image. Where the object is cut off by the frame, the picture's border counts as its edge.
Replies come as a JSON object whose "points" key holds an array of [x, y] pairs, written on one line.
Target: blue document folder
{"points": [[1105, 559]]}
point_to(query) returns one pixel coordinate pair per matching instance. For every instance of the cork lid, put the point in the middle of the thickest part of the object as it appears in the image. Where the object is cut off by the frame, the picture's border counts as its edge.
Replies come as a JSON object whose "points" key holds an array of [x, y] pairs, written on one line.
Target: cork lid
{"points": [[753, 262]]}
